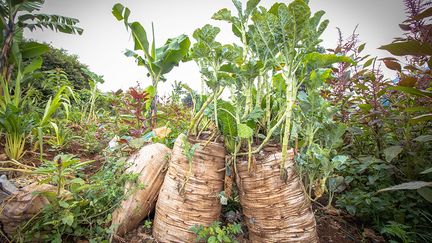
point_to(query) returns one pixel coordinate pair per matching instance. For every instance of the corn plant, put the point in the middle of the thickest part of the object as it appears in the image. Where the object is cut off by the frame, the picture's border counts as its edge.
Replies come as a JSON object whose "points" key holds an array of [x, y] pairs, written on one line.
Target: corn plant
{"points": [[62, 135], [89, 112], [17, 127], [61, 99], [15, 123], [12, 93]]}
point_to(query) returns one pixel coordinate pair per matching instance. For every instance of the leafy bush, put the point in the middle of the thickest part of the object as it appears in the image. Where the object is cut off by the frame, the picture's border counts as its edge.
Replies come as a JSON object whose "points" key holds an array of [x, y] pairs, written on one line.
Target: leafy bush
{"points": [[85, 212], [59, 60], [217, 233], [361, 180]]}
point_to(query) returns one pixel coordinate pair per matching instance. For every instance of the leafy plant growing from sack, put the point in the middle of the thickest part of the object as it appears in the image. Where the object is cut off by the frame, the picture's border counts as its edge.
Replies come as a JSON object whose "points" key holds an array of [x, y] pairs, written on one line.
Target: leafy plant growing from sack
{"points": [[279, 57]]}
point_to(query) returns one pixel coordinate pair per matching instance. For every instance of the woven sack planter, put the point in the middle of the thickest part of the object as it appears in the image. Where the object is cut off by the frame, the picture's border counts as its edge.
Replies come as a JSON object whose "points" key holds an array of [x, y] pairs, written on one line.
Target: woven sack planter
{"points": [[150, 162], [23, 205], [183, 202], [275, 210]]}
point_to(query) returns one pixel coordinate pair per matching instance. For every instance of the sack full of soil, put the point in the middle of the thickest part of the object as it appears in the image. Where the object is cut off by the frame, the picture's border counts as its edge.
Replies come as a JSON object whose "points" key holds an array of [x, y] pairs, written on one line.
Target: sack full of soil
{"points": [[23, 205], [190, 192], [275, 210], [150, 162]]}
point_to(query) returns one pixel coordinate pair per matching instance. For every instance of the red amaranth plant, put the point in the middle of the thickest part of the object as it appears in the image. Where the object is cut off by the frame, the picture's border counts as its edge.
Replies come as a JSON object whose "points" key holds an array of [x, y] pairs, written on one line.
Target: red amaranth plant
{"points": [[415, 26]]}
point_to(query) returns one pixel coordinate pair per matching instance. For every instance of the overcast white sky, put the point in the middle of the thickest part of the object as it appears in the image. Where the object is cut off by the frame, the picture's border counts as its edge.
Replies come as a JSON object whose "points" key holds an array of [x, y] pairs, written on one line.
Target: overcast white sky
{"points": [[104, 39]]}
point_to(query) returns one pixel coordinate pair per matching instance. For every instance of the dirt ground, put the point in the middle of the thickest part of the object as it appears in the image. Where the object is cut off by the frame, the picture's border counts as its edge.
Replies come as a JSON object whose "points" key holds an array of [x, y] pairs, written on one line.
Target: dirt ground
{"points": [[333, 227]]}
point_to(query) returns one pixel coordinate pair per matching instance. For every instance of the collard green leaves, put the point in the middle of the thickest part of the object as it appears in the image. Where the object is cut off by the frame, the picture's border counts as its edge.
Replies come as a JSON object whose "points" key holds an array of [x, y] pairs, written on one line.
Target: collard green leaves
{"points": [[319, 60], [227, 121], [244, 131], [216, 61]]}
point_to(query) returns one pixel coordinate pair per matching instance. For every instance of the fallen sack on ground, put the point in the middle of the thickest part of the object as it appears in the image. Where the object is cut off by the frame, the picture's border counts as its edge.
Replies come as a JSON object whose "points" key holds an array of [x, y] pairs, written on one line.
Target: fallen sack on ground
{"points": [[6, 188], [150, 163], [22, 205]]}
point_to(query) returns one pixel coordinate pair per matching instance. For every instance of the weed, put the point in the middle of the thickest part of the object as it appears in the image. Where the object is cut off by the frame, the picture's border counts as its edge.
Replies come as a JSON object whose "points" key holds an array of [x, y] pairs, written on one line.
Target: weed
{"points": [[217, 233]]}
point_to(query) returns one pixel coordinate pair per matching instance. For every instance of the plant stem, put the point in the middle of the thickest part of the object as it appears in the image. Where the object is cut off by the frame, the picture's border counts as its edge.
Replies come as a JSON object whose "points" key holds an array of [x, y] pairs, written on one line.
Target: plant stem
{"points": [[269, 134], [290, 96], [259, 92], [249, 153], [215, 111], [195, 120], [268, 109]]}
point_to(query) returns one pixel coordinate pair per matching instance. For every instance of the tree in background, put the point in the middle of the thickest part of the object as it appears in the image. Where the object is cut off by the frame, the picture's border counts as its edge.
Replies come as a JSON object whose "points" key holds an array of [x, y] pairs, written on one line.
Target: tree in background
{"points": [[59, 60], [15, 17]]}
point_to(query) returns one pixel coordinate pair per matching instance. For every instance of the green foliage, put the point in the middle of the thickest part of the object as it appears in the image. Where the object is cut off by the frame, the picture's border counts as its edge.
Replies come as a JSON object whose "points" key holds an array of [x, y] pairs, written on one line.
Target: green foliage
{"points": [[228, 123], [62, 136], [60, 169], [359, 181], [17, 16], [217, 233], [84, 210], [212, 57], [397, 230], [158, 61], [61, 99], [387, 136], [59, 60], [244, 131], [409, 47], [176, 117], [359, 139], [317, 60], [147, 224], [16, 126], [189, 149]]}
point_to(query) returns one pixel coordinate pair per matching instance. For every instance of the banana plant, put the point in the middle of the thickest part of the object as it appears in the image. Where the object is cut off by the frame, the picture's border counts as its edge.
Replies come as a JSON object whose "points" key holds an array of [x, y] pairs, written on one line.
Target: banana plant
{"points": [[157, 61], [17, 16]]}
